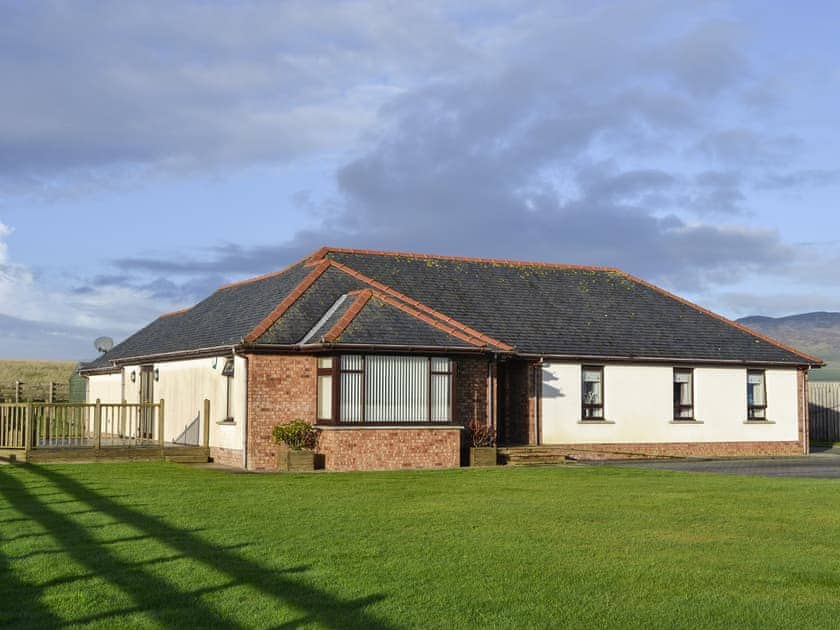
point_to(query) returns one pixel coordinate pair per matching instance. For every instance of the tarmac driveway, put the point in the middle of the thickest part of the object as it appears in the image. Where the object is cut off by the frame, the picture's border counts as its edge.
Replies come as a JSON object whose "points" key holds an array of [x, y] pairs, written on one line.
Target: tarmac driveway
{"points": [[822, 463]]}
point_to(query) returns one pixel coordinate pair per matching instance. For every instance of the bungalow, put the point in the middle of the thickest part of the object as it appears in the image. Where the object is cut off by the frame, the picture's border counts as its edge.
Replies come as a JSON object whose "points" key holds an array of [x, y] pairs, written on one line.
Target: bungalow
{"points": [[390, 355]]}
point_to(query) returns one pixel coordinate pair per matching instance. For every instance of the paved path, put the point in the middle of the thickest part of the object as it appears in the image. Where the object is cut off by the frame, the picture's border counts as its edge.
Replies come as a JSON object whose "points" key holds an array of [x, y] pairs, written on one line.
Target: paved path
{"points": [[822, 464]]}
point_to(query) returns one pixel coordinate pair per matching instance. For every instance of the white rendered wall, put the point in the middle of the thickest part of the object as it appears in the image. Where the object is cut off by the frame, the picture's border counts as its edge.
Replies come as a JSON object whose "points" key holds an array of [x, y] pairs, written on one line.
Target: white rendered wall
{"points": [[105, 387], [184, 385], [638, 406]]}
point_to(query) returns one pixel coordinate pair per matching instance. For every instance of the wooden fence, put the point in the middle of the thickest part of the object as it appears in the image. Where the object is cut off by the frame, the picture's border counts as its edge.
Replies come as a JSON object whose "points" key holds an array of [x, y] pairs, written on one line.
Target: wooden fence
{"points": [[824, 411], [96, 425], [20, 391]]}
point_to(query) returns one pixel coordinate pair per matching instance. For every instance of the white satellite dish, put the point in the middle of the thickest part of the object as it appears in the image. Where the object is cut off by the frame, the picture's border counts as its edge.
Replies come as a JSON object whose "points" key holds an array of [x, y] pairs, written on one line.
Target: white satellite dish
{"points": [[103, 344]]}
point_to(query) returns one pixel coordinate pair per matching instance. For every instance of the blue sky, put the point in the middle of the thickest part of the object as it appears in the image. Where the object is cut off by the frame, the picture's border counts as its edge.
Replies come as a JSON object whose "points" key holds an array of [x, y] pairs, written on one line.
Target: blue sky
{"points": [[151, 152]]}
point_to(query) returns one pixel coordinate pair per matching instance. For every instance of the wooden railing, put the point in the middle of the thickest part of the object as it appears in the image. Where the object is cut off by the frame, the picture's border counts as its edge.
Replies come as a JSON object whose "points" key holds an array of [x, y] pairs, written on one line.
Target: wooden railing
{"points": [[92, 425]]}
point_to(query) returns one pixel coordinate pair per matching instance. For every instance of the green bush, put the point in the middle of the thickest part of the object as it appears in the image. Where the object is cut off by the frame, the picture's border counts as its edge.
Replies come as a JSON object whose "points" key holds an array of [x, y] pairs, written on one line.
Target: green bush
{"points": [[297, 435]]}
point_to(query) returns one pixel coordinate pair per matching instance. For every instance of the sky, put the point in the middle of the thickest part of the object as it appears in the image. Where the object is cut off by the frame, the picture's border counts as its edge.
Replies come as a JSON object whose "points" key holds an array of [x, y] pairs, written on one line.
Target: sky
{"points": [[151, 152]]}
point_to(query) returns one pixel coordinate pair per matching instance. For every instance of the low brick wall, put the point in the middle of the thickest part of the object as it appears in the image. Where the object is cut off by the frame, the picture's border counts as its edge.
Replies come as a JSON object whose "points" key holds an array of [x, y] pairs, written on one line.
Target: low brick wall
{"points": [[390, 448], [678, 449], [226, 456]]}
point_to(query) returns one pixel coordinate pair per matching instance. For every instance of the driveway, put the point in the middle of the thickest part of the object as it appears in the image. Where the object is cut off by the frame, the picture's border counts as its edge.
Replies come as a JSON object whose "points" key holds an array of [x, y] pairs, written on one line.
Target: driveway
{"points": [[822, 463]]}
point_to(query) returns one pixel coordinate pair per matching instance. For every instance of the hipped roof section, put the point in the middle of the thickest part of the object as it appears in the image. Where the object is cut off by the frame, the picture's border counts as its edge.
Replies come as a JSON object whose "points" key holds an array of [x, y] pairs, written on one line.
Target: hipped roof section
{"points": [[394, 299]]}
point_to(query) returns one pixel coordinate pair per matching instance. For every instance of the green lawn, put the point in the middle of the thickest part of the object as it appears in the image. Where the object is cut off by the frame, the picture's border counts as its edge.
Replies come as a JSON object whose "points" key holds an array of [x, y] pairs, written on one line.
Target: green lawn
{"points": [[159, 545]]}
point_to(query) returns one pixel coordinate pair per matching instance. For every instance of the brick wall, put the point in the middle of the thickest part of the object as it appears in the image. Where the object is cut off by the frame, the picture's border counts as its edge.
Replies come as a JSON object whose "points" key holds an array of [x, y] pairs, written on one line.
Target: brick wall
{"points": [[226, 456], [674, 449], [281, 388], [470, 390], [390, 449]]}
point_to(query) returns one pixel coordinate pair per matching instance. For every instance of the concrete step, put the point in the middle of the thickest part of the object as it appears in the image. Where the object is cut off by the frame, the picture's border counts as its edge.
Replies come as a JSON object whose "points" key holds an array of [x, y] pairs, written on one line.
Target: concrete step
{"points": [[188, 459]]}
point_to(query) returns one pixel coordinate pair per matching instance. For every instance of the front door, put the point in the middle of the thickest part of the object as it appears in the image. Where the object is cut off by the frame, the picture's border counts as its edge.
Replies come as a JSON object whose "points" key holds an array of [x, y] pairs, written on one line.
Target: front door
{"points": [[147, 398]]}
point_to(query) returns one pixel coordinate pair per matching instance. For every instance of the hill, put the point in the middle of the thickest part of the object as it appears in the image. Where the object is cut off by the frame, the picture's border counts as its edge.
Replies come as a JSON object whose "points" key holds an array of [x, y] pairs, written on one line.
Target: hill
{"points": [[814, 333]]}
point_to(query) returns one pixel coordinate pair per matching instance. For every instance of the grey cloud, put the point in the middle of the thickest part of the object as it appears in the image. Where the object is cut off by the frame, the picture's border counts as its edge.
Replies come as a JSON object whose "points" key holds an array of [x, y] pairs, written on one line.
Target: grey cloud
{"points": [[800, 178], [557, 135], [26, 339]]}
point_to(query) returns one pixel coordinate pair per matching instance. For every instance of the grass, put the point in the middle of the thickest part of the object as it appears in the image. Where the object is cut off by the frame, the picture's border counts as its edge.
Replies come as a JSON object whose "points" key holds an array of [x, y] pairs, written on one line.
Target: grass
{"points": [[12, 370], [159, 545]]}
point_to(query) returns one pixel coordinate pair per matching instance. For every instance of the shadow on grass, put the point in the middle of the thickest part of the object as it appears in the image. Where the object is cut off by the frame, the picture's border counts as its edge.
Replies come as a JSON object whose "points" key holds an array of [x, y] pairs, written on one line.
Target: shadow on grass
{"points": [[152, 595]]}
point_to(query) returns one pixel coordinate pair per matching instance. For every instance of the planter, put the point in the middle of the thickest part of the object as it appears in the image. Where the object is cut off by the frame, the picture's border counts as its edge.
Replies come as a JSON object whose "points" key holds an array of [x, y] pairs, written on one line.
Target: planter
{"points": [[295, 461], [483, 456]]}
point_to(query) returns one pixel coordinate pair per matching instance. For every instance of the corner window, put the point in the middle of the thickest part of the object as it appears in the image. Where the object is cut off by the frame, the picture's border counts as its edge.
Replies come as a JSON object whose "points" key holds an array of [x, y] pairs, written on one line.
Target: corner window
{"points": [[756, 395], [683, 394], [592, 399]]}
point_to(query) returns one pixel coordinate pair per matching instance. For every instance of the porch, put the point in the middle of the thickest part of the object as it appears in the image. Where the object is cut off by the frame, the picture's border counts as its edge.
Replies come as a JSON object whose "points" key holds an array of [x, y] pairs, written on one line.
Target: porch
{"points": [[86, 432]]}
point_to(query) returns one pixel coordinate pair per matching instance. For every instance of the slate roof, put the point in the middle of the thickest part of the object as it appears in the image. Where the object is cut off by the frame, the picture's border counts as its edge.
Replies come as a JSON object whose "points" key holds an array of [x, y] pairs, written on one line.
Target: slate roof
{"points": [[395, 299]]}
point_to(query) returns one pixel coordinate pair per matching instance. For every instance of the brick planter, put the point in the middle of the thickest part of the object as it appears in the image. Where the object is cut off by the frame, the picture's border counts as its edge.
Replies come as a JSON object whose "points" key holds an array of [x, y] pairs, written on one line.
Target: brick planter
{"points": [[483, 456], [295, 461]]}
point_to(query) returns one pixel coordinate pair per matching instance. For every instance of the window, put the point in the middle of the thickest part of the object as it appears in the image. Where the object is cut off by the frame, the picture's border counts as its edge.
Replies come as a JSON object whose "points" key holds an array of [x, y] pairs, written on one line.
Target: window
{"points": [[325, 388], [683, 394], [378, 389], [756, 395], [227, 372], [592, 393]]}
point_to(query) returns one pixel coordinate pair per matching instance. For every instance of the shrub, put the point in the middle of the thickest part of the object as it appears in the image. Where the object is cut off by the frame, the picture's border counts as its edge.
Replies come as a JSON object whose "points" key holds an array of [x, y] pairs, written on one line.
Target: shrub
{"points": [[297, 435], [481, 434]]}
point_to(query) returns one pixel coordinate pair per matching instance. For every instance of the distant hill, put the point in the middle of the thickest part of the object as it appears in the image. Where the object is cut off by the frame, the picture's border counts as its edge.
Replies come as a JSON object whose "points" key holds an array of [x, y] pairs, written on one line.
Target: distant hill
{"points": [[814, 333]]}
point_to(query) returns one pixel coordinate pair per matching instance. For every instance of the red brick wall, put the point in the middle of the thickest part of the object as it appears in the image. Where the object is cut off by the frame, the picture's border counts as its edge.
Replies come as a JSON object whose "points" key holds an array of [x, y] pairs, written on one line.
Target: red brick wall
{"points": [[281, 388], [390, 449], [676, 449], [226, 456], [470, 390]]}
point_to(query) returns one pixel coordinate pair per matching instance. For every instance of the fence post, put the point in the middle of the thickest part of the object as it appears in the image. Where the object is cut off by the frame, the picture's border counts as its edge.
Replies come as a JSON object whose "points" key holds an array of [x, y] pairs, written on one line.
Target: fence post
{"points": [[18, 391], [51, 393], [161, 427], [123, 411], [27, 428], [206, 423], [97, 425]]}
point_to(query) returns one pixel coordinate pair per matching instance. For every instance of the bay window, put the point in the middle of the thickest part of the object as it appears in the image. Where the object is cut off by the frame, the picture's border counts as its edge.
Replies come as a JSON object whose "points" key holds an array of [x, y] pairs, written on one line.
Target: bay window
{"points": [[385, 389]]}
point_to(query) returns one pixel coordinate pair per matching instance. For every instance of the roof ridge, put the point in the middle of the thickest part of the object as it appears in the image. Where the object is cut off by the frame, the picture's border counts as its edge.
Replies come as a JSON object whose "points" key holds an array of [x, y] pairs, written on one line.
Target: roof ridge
{"points": [[180, 311], [321, 254], [467, 330], [287, 302], [723, 319], [265, 276], [349, 315], [428, 319]]}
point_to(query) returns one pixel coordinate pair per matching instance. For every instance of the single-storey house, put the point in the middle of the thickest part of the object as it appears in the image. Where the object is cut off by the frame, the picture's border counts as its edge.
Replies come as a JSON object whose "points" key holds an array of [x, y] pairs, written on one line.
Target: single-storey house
{"points": [[391, 354]]}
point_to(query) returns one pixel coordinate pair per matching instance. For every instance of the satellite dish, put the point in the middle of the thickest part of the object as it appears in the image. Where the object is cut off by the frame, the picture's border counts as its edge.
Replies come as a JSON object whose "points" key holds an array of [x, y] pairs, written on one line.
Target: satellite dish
{"points": [[103, 344]]}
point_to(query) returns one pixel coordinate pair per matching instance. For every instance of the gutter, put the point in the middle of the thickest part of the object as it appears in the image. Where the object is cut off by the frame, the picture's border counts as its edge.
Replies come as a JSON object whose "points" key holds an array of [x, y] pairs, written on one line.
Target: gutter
{"points": [[668, 360]]}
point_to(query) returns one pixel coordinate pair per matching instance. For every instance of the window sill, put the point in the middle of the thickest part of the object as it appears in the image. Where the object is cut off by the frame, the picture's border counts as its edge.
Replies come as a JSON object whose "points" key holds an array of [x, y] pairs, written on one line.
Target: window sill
{"points": [[229, 422], [757, 421], [595, 421], [686, 421], [388, 427]]}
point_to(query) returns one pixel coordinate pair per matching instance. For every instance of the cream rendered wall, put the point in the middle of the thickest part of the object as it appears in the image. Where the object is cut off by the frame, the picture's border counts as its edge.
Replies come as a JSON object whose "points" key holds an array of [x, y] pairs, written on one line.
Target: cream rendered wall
{"points": [[638, 406], [105, 387], [184, 385]]}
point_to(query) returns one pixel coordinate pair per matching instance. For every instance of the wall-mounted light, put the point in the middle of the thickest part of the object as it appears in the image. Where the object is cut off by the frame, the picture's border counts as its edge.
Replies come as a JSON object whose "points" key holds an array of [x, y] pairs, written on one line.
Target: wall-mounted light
{"points": [[215, 362], [157, 375], [133, 376]]}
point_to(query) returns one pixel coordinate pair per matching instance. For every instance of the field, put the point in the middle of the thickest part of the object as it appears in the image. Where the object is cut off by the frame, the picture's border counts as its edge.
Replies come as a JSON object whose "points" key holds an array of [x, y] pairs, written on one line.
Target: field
{"points": [[831, 372], [12, 370], [159, 545]]}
